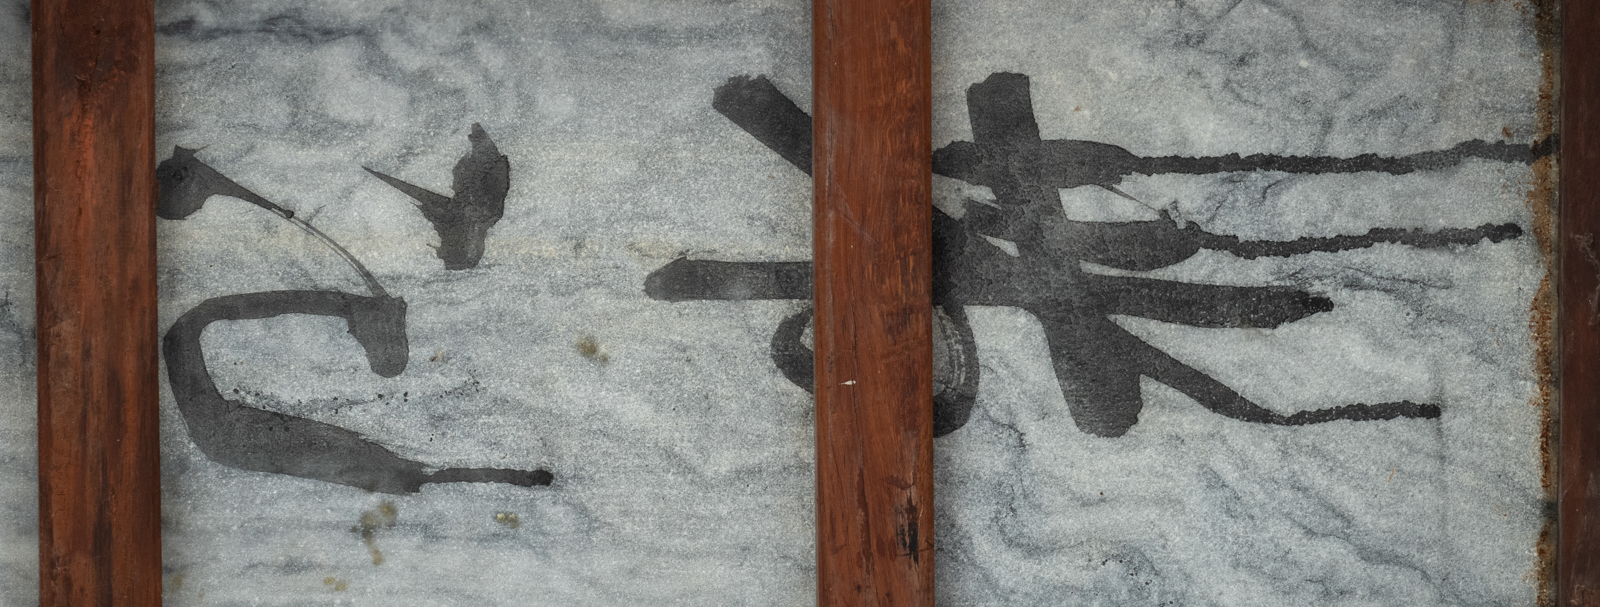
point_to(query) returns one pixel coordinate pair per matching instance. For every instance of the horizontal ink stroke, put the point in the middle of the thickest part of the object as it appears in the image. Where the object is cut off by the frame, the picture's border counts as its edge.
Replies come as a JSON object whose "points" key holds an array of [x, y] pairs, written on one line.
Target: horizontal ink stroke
{"points": [[1097, 363]]}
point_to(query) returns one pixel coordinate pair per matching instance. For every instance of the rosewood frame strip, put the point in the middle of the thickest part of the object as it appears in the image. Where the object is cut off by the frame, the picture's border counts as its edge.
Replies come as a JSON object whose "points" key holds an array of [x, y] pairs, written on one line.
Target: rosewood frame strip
{"points": [[873, 247], [95, 257], [1578, 497]]}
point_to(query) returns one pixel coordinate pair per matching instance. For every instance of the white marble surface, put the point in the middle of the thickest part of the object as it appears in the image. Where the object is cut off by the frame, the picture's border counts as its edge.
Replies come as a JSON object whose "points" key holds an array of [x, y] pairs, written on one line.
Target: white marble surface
{"points": [[681, 456], [682, 459], [19, 510], [1190, 507]]}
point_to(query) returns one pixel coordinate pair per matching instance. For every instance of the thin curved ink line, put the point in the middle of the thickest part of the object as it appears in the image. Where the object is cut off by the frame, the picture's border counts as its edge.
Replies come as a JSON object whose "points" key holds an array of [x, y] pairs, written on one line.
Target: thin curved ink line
{"points": [[186, 183], [366, 276]]}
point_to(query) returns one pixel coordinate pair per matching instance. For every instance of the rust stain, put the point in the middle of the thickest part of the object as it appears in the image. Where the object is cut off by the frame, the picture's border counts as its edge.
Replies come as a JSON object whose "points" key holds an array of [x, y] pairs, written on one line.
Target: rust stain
{"points": [[589, 348], [1541, 199], [373, 520], [508, 519]]}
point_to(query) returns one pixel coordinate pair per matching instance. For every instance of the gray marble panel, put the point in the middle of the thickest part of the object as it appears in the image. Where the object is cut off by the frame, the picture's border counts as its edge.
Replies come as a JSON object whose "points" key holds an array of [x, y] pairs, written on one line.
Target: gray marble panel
{"points": [[678, 447], [1136, 443], [677, 456], [19, 510]]}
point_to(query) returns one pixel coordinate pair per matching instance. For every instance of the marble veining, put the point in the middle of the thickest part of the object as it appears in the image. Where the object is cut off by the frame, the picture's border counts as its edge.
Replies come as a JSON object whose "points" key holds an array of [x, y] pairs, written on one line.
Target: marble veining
{"points": [[19, 510], [1234, 303], [1442, 506], [406, 252]]}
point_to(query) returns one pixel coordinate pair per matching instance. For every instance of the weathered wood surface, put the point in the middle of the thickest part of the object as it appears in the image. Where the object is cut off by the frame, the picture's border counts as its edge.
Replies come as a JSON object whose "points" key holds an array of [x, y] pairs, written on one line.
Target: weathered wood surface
{"points": [[873, 326], [94, 213], [1578, 544]]}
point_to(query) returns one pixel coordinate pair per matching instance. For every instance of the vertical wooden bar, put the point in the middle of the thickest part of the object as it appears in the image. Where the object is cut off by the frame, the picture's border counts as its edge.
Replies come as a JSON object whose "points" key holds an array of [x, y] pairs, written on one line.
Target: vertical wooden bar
{"points": [[873, 326], [1578, 545], [94, 213]]}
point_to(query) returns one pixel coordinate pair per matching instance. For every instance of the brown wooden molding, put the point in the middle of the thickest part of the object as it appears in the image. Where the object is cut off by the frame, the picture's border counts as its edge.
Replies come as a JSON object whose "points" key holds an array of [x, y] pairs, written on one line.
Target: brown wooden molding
{"points": [[1578, 497], [94, 238], [873, 325]]}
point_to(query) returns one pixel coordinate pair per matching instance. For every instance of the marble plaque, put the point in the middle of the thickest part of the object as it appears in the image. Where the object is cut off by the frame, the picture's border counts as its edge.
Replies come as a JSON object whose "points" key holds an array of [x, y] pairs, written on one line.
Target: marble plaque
{"points": [[1258, 292], [505, 303], [419, 345]]}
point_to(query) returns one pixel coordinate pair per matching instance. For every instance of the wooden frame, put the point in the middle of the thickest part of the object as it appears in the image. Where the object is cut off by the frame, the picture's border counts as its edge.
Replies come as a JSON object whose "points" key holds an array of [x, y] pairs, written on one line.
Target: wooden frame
{"points": [[1577, 554], [873, 255], [94, 239], [94, 201]]}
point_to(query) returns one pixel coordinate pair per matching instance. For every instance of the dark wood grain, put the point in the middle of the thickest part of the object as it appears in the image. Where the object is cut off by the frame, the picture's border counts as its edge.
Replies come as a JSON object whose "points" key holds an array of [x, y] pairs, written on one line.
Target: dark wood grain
{"points": [[94, 214], [1578, 544], [873, 326]]}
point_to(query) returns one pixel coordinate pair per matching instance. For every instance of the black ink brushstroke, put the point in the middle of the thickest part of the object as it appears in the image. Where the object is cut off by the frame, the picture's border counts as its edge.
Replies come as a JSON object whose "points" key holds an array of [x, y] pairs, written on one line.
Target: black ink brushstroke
{"points": [[764, 112], [1416, 238], [248, 438], [1097, 363], [287, 27], [955, 362], [789, 352], [686, 280], [1008, 155], [184, 183], [481, 180], [955, 368]]}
